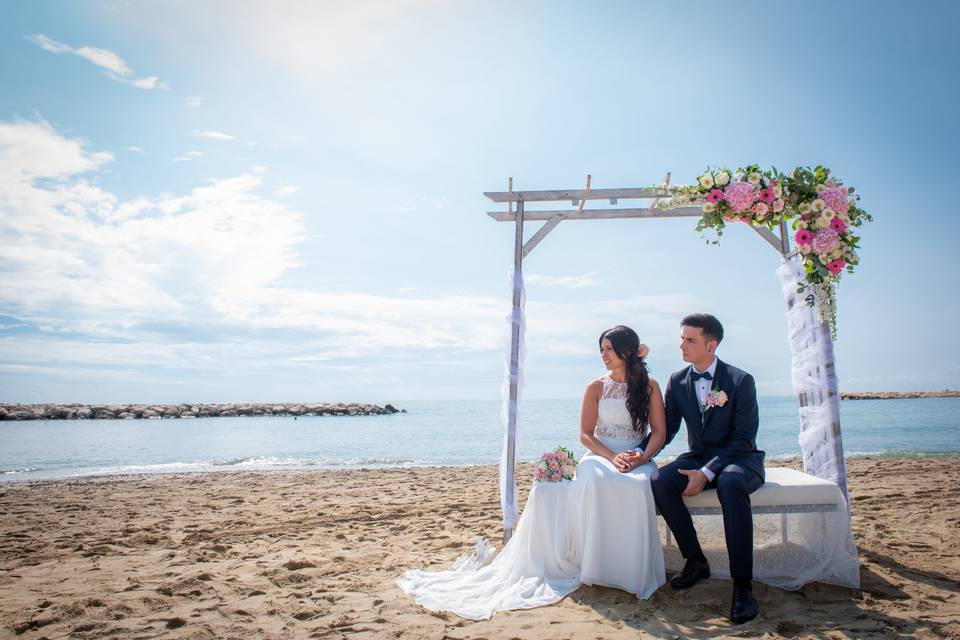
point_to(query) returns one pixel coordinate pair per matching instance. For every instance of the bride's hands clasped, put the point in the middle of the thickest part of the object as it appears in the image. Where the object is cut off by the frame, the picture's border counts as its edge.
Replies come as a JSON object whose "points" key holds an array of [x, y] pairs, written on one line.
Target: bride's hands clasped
{"points": [[626, 461]]}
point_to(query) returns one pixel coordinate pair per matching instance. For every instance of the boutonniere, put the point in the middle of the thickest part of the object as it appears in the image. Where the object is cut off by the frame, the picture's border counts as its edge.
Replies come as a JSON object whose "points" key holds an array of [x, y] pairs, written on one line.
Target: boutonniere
{"points": [[716, 398]]}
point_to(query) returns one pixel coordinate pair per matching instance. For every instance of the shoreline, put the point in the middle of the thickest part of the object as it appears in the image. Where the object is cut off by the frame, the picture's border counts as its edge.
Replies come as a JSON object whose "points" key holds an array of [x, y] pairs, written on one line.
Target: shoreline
{"points": [[294, 554], [9, 477]]}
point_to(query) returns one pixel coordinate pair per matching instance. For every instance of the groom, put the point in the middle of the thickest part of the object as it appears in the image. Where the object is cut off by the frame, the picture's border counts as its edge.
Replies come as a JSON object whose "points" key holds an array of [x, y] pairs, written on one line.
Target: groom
{"points": [[718, 403]]}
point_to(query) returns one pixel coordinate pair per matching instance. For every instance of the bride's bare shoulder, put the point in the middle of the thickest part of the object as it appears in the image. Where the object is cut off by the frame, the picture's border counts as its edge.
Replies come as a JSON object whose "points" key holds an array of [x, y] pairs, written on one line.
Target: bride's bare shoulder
{"points": [[653, 386], [595, 386]]}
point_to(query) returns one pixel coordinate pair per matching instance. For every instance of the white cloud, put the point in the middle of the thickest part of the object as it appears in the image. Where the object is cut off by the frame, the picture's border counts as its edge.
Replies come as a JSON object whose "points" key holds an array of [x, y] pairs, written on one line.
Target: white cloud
{"points": [[287, 190], [193, 281], [214, 135], [105, 59], [49, 45], [193, 101], [115, 66], [153, 82], [193, 154], [135, 149], [566, 282]]}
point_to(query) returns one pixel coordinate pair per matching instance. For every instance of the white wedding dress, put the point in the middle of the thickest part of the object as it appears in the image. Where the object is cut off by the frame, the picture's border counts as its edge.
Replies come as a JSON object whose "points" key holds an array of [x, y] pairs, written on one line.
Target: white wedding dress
{"points": [[600, 528]]}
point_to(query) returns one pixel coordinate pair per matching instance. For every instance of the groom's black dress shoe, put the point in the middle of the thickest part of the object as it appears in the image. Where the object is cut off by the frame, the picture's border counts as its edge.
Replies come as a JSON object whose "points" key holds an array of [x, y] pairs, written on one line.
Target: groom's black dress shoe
{"points": [[744, 607], [693, 572]]}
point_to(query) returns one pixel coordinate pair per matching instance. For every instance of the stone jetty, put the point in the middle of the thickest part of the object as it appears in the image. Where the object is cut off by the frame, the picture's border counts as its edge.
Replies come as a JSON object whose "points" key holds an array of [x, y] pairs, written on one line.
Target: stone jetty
{"points": [[158, 411], [895, 395]]}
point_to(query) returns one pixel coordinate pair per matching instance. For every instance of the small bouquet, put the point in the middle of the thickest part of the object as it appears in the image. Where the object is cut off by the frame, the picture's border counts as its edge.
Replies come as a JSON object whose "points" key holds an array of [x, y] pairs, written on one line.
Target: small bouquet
{"points": [[555, 466]]}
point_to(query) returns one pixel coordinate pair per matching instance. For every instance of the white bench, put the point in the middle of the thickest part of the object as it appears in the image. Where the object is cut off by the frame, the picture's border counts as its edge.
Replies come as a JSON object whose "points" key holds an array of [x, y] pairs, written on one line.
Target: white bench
{"points": [[785, 491]]}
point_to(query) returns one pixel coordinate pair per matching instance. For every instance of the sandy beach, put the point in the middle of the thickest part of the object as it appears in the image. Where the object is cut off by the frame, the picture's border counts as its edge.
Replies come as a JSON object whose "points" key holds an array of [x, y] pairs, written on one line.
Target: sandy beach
{"points": [[314, 554]]}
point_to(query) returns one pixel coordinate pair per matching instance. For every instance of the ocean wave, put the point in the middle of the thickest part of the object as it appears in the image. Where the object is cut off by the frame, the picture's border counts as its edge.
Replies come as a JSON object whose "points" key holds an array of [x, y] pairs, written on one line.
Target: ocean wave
{"points": [[262, 463], [273, 461]]}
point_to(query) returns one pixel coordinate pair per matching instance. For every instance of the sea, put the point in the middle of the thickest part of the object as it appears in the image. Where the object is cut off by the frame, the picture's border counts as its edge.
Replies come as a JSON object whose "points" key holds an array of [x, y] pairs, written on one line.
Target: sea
{"points": [[460, 433]]}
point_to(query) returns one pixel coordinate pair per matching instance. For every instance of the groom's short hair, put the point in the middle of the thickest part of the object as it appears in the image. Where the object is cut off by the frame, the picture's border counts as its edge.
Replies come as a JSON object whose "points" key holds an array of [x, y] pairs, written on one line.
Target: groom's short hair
{"points": [[711, 327]]}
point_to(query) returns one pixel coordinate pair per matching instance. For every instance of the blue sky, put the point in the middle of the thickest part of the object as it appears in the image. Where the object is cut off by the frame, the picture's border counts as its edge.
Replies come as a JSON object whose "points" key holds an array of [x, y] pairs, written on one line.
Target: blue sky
{"points": [[275, 201]]}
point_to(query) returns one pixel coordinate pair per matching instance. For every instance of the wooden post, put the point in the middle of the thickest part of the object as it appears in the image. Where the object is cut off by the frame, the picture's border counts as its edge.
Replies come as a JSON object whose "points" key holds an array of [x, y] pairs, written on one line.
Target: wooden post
{"points": [[514, 365]]}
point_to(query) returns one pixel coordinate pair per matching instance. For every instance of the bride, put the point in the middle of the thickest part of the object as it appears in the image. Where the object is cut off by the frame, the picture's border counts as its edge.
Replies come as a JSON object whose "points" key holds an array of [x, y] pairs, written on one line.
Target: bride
{"points": [[599, 529]]}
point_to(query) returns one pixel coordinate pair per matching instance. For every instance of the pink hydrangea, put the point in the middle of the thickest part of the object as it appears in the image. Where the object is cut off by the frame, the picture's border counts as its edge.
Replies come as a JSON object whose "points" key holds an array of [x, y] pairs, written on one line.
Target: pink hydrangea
{"points": [[715, 195], [836, 198], [825, 240], [836, 266], [838, 225], [740, 195], [803, 237]]}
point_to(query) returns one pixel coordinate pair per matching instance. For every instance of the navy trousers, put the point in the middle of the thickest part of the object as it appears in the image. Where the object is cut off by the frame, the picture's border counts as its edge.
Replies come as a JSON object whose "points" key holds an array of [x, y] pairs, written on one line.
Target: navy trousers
{"points": [[734, 485]]}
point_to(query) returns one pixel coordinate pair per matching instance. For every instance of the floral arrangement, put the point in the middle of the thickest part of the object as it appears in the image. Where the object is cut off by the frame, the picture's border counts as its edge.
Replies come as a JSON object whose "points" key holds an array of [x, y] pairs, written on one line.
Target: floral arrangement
{"points": [[821, 211], [555, 466], [716, 398]]}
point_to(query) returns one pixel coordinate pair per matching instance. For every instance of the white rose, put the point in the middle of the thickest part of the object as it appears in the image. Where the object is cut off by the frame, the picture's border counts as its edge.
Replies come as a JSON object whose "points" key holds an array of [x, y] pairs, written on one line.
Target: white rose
{"points": [[837, 253], [706, 181], [805, 249], [823, 221], [828, 213], [754, 178], [722, 178], [824, 258], [805, 208], [709, 207], [820, 188], [819, 205], [778, 191]]}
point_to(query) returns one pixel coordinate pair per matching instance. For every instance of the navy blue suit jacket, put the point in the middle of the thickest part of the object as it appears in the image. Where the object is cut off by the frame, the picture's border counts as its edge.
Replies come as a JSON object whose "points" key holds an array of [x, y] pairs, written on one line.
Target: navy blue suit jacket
{"points": [[720, 435]]}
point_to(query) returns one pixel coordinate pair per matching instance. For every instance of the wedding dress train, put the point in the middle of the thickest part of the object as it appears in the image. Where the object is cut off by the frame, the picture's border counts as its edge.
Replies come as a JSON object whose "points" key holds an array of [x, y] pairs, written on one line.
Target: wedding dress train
{"points": [[599, 528]]}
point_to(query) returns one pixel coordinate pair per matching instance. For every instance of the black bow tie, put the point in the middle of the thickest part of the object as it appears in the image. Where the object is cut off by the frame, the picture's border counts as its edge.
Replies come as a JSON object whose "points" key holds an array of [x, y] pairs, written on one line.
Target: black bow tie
{"points": [[696, 376]]}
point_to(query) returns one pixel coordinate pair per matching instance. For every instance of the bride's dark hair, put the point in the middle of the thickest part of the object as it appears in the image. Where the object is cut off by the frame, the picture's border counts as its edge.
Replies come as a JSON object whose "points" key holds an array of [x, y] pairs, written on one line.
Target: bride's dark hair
{"points": [[626, 343]]}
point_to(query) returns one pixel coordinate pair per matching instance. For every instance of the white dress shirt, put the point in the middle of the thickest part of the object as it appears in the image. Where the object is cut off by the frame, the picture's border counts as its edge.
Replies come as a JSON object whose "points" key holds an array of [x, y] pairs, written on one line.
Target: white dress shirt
{"points": [[702, 387]]}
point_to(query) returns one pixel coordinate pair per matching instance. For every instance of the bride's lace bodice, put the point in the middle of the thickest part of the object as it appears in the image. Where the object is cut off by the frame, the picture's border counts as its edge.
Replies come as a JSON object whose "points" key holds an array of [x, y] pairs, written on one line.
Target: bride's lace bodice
{"points": [[613, 419]]}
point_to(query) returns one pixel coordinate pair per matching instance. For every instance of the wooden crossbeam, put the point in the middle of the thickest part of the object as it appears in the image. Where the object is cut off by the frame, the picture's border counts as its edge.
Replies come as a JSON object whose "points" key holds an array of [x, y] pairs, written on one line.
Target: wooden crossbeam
{"points": [[577, 195], [770, 237], [600, 214]]}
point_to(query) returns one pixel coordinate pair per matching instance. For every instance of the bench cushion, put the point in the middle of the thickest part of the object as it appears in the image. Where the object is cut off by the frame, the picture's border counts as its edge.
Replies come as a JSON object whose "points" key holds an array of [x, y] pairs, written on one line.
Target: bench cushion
{"points": [[783, 487]]}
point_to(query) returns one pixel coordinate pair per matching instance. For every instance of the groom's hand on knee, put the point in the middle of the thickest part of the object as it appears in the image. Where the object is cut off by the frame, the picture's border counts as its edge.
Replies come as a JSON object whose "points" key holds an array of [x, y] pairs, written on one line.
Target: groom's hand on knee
{"points": [[696, 481]]}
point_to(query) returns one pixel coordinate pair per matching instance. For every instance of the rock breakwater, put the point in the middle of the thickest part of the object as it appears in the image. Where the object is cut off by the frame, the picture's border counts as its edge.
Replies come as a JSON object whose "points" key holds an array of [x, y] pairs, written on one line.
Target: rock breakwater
{"points": [[158, 411], [894, 395]]}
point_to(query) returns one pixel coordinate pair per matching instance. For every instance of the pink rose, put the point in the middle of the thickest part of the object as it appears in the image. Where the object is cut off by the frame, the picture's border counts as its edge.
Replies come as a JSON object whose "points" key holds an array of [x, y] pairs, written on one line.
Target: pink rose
{"points": [[778, 205], [761, 209]]}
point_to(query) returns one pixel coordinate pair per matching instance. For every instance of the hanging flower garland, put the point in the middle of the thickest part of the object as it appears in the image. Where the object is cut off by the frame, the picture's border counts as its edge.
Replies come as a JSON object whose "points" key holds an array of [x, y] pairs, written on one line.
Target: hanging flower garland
{"points": [[822, 213]]}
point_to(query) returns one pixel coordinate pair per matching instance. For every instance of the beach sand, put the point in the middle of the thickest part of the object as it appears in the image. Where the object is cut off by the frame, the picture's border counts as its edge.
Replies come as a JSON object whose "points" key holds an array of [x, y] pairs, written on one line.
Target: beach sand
{"points": [[314, 555]]}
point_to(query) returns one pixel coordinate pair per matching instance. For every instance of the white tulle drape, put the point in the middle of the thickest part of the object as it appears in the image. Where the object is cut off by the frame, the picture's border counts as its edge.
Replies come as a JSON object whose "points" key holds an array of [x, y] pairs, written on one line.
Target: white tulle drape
{"points": [[814, 380], [793, 549], [509, 415]]}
